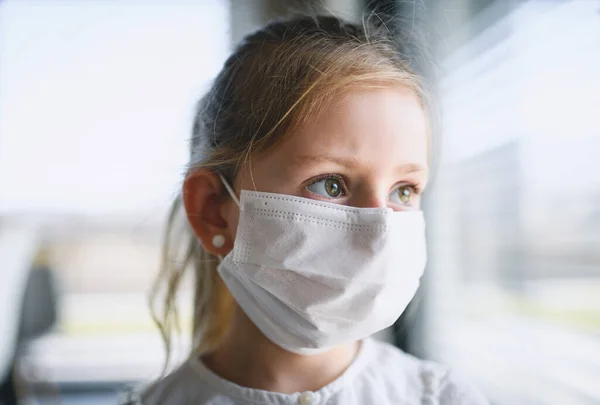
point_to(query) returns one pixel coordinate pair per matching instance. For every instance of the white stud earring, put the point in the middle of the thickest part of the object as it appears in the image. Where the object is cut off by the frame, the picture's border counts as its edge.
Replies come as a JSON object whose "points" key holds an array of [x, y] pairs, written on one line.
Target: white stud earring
{"points": [[218, 241]]}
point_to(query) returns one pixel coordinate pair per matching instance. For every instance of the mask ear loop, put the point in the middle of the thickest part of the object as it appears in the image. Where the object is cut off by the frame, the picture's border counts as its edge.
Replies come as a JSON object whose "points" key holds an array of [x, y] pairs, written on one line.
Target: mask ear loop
{"points": [[233, 196], [230, 190]]}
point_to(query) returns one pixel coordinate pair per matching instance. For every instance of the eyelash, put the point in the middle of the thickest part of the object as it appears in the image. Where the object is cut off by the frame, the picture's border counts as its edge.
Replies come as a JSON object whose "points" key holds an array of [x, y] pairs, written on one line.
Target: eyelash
{"points": [[415, 187], [329, 176]]}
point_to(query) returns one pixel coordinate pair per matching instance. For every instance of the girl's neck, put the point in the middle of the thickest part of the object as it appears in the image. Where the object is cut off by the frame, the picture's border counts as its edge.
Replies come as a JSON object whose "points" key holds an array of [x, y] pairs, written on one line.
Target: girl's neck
{"points": [[247, 358]]}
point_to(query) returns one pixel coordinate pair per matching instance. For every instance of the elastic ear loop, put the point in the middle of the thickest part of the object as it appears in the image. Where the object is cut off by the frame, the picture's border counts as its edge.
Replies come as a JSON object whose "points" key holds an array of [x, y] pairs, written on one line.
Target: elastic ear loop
{"points": [[230, 190], [233, 196]]}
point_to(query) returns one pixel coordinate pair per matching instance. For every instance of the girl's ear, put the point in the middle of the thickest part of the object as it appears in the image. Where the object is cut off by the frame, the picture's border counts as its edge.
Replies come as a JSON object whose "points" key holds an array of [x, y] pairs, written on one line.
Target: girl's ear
{"points": [[202, 200]]}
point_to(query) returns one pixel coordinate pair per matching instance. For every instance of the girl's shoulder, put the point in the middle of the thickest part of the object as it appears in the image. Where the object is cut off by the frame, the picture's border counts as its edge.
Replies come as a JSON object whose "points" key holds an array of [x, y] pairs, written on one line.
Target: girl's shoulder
{"points": [[170, 389], [430, 382]]}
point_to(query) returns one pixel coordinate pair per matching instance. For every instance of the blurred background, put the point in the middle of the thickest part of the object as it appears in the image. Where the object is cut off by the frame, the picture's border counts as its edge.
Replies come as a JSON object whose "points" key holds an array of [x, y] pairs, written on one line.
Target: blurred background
{"points": [[96, 103]]}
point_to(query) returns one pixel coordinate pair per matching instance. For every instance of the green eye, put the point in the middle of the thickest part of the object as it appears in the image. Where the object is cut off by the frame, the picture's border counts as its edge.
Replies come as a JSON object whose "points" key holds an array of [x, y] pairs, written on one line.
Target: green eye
{"points": [[329, 187], [333, 187], [403, 195]]}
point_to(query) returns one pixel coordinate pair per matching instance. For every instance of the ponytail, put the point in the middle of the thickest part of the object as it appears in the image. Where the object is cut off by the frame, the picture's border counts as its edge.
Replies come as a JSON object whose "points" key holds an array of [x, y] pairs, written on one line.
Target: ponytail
{"points": [[212, 301]]}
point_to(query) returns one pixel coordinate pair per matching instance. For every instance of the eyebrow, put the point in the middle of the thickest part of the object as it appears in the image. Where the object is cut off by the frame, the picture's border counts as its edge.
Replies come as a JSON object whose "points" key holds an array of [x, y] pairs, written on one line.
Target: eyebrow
{"points": [[352, 162]]}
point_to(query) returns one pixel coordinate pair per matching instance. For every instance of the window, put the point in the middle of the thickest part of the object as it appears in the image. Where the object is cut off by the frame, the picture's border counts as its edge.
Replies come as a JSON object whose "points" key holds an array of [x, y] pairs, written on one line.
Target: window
{"points": [[515, 228]]}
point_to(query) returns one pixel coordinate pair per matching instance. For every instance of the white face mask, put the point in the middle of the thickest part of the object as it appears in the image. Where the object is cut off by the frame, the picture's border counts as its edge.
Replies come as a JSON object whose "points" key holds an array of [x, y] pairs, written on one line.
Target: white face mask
{"points": [[313, 275]]}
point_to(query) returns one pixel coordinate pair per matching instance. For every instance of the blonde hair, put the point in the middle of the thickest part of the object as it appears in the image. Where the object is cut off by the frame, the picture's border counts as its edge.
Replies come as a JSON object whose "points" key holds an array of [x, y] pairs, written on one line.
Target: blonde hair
{"points": [[278, 78]]}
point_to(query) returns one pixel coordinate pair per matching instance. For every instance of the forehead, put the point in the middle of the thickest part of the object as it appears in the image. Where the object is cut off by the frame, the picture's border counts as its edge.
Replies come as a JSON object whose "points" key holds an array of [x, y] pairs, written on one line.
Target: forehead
{"points": [[374, 126]]}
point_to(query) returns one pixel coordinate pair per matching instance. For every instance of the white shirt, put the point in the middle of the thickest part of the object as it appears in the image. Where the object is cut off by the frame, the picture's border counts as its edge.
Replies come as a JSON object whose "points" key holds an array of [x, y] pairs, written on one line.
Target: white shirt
{"points": [[380, 374]]}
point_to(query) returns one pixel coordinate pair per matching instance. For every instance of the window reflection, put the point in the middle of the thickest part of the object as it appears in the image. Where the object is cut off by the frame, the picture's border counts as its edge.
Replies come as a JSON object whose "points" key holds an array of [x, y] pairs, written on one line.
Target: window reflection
{"points": [[515, 287]]}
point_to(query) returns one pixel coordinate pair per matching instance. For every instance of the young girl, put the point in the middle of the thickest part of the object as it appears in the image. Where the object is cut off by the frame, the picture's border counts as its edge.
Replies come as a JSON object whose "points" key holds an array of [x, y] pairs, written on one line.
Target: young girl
{"points": [[308, 159]]}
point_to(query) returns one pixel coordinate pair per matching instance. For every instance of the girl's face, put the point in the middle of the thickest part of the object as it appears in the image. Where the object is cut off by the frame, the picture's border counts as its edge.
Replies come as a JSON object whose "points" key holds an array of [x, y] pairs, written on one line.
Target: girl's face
{"points": [[368, 150]]}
